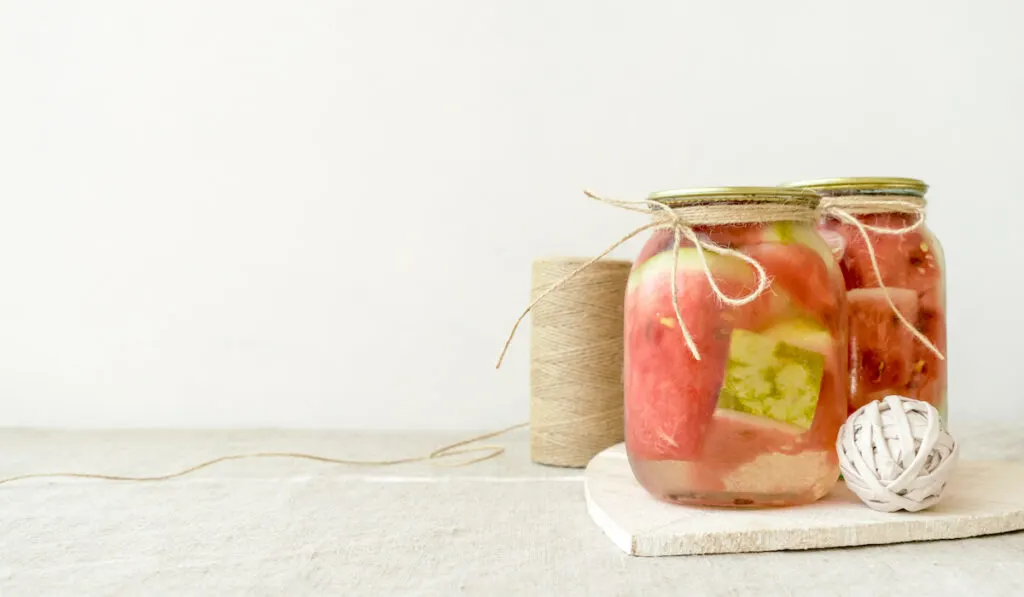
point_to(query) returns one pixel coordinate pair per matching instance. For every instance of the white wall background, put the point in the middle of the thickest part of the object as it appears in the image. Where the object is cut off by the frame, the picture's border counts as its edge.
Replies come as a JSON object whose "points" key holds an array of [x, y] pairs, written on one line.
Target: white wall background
{"points": [[322, 213]]}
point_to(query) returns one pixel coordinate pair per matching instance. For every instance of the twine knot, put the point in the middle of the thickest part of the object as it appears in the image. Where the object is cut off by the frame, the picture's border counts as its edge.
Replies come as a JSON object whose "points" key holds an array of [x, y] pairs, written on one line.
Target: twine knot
{"points": [[895, 454]]}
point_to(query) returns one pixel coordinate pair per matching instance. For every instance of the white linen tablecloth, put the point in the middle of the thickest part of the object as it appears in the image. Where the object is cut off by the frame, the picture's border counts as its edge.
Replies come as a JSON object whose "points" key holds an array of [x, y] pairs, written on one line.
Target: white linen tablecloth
{"points": [[500, 527]]}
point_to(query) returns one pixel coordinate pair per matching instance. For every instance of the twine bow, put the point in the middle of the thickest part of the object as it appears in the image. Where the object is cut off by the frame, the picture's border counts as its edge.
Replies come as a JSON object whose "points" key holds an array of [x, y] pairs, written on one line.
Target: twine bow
{"points": [[844, 208], [681, 219]]}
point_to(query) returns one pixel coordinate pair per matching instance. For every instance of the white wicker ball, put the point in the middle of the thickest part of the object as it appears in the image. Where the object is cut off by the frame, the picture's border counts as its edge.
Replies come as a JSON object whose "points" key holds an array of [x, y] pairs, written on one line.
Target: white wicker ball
{"points": [[896, 454]]}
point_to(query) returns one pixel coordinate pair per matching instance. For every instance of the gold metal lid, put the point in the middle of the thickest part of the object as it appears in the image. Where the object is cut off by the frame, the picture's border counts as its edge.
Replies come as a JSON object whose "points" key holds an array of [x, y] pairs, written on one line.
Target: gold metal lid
{"points": [[863, 184], [795, 196]]}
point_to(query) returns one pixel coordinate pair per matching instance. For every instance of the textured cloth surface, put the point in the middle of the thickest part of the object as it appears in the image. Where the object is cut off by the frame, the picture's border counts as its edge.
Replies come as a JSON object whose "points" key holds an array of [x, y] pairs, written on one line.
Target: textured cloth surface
{"points": [[501, 527]]}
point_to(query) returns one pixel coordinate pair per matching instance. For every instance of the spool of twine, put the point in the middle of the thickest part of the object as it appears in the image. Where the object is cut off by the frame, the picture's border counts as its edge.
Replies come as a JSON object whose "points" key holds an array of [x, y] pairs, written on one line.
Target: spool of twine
{"points": [[576, 351]]}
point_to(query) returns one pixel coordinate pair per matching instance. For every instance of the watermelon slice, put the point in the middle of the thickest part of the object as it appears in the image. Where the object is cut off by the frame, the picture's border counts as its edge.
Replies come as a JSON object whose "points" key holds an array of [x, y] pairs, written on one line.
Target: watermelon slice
{"points": [[736, 437], [931, 317], [670, 396], [910, 260], [882, 349], [831, 411], [928, 381], [805, 334], [659, 241], [928, 378], [771, 378], [787, 250], [801, 273], [788, 233], [732, 235]]}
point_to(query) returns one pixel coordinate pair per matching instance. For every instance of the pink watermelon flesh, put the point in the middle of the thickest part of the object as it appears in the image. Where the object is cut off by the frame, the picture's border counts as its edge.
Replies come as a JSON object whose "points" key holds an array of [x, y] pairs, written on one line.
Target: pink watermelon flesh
{"points": [[928, 378], [882, 349], [928, 381], [831, 411], [909, 260], [660, 240], [670, 396], [800, 272], [730, 236]]}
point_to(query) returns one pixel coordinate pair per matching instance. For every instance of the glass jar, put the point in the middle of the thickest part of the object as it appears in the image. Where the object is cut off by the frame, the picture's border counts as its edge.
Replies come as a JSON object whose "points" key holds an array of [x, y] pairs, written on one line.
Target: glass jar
{"points": [[754, 420], [885, 355]]}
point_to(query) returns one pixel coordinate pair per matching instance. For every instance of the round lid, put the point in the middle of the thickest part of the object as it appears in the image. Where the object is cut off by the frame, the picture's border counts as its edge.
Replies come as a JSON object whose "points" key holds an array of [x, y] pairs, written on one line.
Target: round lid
{"points": [[855, 184], [798, 196]]}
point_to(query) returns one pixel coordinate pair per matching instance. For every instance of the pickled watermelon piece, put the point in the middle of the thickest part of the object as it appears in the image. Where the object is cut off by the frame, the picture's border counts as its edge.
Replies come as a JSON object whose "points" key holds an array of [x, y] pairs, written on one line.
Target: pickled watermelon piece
{"points": [[882, 349], [804, 333], [933, 300], [910, 260], [788, 233], [670, 396], [762, 311], [931, 315], [654, 275], [833, 399], [928, 380], [734, 439], [799, 272], [660, 241], [771, 378], [732, 235]]}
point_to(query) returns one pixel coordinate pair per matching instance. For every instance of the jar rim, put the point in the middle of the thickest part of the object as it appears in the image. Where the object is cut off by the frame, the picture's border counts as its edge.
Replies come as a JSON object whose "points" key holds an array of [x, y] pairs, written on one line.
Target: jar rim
{"points": [[804, 197], [864, 184]]}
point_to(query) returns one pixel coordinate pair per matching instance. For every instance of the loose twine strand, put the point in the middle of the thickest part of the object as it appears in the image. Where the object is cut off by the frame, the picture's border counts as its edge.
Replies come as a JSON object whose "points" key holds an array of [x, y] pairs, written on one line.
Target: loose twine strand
{"points": [[844, 208], [437, 456], [681, 219]]}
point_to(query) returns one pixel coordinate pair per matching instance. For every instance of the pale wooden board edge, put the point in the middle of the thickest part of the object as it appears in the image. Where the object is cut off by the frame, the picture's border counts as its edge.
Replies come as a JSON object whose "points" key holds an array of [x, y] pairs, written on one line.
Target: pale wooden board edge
{"points": [[902, 528]]}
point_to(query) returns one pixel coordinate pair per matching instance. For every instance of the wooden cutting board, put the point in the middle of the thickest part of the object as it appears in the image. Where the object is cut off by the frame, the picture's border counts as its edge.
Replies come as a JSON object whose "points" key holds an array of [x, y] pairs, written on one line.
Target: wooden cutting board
{"points": [[983, 498]]}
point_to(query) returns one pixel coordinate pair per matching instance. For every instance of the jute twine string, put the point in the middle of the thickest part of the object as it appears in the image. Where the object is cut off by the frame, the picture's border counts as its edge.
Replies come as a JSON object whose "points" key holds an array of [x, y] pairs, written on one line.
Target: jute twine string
{"points": [[576, 354], [844, 208], [437, 457], [681, 219]]}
